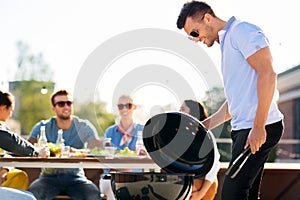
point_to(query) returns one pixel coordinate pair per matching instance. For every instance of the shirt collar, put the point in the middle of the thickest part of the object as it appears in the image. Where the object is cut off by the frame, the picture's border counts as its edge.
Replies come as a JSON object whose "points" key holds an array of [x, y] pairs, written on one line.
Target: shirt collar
{"points": [[224, 30], [228, 24]]}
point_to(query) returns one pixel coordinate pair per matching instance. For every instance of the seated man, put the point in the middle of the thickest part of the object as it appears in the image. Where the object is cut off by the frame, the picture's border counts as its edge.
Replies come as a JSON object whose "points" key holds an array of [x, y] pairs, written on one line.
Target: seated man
{"points": [[76, 133]]}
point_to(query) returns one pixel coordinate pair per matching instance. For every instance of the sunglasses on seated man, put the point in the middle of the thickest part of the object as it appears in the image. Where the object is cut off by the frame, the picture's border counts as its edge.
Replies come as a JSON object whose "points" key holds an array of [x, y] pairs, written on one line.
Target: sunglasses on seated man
{"points": [[63, 103]]}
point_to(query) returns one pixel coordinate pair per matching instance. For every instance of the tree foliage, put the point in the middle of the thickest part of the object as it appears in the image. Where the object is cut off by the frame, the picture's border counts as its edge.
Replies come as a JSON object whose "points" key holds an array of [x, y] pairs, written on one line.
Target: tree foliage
{"points": [[31, 66], [214, 99], [31, 105], [33, 74], [96, 113]]}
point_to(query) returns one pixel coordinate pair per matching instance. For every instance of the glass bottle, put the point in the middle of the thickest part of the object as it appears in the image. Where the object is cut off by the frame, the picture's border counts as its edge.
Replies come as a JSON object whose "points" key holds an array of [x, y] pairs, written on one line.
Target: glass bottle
{"points": [[139, 145], [60, 143], [107, 142], [109, 149], [43, 139], [42, 142]]}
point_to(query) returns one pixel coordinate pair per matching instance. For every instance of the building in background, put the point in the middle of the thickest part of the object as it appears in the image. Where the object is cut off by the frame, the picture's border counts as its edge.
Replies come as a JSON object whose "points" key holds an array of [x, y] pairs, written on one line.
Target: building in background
{"points": [[32, 103], [289, 104]]}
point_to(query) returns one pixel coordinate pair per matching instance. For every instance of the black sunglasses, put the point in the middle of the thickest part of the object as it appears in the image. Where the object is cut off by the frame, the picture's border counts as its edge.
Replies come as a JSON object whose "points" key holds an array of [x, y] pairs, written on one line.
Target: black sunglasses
{"points": [[127, 105], [63, 103], [194, 33]]}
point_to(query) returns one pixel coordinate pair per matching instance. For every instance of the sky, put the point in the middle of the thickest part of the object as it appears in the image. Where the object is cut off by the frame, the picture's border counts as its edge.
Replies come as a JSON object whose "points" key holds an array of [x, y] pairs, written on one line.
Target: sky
{"points": [[68, 32]]}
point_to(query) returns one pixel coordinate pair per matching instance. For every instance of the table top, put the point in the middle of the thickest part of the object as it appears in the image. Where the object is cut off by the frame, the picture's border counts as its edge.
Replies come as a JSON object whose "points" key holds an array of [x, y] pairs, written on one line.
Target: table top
{"points": [[281, 166], [127, 162], [132, 162]]}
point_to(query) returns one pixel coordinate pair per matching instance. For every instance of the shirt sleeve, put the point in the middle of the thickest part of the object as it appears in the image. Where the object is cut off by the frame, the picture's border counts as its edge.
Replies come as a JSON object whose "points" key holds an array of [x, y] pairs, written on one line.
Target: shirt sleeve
{"points": [[35, 131], [213, 172], [86, 130], [248, 38], [108, 132], [16, 144]]}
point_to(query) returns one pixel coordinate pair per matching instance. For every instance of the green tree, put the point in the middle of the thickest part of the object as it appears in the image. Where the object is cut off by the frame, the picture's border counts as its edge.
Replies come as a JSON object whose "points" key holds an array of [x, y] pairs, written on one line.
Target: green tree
{"points": [[31, 105], [214, 99], [31, 66], [96, 113]]}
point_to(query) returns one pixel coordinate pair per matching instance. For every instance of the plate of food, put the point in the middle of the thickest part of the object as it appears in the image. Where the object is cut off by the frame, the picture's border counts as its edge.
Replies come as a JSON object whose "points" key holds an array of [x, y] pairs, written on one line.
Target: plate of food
{"points": [[79, 152], [97, 153]]}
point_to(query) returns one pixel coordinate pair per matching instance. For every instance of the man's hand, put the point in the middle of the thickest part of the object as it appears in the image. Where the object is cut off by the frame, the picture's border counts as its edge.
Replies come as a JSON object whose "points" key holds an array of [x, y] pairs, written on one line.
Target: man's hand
{"points": [[256, 138]]}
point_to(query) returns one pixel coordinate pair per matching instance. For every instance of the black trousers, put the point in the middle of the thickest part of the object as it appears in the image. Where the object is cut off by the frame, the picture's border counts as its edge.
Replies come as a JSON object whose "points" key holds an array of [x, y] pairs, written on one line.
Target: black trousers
{"points": [[246, 185]]}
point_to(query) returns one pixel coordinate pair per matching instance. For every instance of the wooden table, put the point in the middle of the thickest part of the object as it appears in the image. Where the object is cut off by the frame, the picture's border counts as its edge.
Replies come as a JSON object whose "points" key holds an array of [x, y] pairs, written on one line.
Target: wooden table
{"points": [[92, 165], [81, 162]]}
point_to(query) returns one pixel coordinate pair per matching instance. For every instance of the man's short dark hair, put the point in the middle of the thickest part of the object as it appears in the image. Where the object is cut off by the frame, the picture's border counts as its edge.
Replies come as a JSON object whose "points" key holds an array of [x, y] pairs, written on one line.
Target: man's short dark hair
{"points": [[194, 9], [59, 93]]}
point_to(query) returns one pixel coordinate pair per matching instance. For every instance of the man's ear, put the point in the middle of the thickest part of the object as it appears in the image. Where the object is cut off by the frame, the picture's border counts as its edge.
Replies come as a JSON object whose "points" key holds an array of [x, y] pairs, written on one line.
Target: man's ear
{"points": [[207, 18]]}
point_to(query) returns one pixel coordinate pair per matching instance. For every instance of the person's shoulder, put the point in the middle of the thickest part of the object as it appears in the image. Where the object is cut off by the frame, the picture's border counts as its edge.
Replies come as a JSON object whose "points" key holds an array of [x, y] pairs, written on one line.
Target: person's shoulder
{"points": [[242, 27], [82, 122], [46, 123], [78, 120], [109, 131], [111, 127], [2, 127], [139, 126]]}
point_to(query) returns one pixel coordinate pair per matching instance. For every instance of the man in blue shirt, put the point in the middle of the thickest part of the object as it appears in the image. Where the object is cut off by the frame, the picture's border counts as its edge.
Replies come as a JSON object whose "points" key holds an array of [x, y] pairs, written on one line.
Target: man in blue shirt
{"points": [[76, 133], [249, 83]]}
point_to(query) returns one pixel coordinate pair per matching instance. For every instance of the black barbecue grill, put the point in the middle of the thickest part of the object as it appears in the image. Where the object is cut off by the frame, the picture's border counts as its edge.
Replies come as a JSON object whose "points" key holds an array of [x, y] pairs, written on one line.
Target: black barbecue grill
{"points": [[181, 146]]}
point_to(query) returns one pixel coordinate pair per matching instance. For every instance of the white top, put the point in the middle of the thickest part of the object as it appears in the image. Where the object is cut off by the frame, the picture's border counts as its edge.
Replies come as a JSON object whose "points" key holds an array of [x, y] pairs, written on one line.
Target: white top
{"points": [[238, 41], [213, 172]]}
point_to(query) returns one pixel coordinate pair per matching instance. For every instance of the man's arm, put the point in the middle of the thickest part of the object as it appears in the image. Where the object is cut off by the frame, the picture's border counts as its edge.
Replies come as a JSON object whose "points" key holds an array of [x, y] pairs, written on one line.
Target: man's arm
{"points": [[95, 143], [217, 118], [32, 140], [35, 132], [261, 62]]}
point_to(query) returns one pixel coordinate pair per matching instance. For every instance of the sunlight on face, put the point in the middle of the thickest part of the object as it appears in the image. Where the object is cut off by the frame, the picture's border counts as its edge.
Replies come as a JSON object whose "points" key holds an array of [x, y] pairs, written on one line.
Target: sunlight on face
{"points": [[184, 108]]}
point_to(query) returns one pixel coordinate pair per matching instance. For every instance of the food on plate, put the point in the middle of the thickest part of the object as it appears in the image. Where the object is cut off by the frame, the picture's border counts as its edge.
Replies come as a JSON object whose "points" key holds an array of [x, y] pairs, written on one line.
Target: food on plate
{"points": [[78, 152], [103, 152], [54, 150], [97, 152], [126, 152]]}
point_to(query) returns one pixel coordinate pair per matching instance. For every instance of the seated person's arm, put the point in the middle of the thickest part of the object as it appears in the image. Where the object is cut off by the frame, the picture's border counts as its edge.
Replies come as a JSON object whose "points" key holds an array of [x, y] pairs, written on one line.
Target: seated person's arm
{"points": [[16, 144], [3, 173]]}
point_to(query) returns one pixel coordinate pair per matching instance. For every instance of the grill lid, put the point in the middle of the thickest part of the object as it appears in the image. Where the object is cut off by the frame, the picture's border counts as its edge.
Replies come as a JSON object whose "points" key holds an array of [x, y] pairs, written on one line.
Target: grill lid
{"points": [[179, 143]]}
